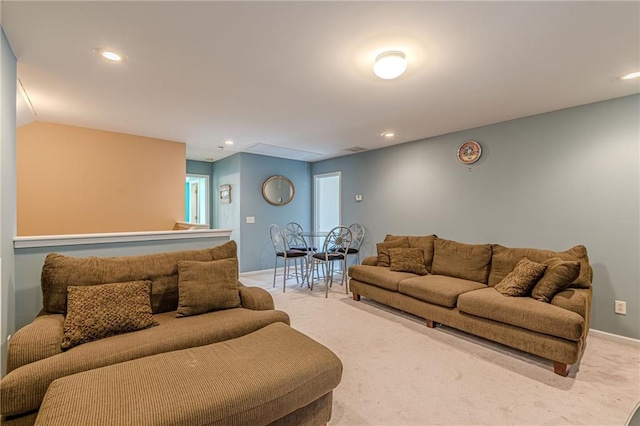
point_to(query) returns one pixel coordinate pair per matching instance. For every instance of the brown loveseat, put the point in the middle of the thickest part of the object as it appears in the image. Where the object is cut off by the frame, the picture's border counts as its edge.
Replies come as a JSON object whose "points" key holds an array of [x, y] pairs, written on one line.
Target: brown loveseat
{"points": [[36, 358], [459, 291]]}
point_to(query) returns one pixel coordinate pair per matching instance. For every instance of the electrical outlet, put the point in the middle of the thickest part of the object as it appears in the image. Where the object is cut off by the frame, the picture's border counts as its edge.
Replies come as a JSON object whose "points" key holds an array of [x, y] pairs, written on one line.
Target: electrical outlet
{"points": [[620, 307]]}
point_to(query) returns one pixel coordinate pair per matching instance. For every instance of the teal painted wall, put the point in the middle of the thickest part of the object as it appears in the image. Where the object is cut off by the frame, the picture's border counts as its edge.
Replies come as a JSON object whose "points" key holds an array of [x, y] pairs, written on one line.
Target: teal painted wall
{"points": [[246, 173], [257, 252], [548, 181]]}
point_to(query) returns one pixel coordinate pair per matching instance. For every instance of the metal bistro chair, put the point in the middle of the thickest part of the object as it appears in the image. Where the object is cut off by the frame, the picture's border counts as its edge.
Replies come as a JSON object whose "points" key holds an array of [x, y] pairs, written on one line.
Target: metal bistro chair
{"points": [[282, 251], [357, 233], [336, 244], [294, 234]]}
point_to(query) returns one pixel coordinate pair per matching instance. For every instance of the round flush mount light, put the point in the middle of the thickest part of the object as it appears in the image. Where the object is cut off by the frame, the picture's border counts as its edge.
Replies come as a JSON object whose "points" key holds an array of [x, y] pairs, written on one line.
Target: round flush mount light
{"points": [[228, 142], [390, 65], [387, 134], [630, 76], [110, 54]]}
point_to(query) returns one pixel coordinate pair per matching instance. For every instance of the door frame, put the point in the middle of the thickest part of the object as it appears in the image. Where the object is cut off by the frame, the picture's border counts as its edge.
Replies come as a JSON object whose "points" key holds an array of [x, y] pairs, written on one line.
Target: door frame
{"points": [[315, 197]]}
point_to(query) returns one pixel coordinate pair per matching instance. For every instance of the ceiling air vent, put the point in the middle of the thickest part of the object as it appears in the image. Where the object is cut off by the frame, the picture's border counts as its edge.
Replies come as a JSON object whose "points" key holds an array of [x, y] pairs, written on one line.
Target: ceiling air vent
{"points": [[355, 149]]}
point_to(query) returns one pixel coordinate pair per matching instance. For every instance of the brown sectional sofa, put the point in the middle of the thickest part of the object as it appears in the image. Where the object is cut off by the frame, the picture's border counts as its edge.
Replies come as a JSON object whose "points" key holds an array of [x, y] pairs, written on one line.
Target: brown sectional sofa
{"points": [[36, 359], [459, 291]]}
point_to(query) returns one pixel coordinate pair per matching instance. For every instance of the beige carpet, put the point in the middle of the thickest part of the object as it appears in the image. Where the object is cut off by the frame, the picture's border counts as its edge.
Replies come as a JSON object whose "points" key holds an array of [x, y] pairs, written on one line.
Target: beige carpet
{"points": [[399, 372]]}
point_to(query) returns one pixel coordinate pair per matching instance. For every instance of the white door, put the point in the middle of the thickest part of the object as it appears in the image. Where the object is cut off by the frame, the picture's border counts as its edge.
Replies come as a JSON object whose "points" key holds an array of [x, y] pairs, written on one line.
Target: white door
{"points": [[326, 195]]}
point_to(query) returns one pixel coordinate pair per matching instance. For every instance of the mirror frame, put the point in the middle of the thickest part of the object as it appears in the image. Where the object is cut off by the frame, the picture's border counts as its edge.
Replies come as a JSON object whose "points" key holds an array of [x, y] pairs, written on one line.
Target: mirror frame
{"points": [[275, 202]]}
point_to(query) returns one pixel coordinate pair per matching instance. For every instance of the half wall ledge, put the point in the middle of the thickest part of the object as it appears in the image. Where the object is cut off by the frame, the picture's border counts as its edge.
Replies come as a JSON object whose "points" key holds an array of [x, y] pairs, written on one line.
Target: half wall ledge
{"points": [[116, 237]]}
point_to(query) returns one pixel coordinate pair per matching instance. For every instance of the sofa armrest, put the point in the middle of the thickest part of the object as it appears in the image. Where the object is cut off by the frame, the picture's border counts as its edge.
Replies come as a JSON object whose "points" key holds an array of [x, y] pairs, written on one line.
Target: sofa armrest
{"points": [[35, 341], [370, 261], [256, 298], [577, 300]]}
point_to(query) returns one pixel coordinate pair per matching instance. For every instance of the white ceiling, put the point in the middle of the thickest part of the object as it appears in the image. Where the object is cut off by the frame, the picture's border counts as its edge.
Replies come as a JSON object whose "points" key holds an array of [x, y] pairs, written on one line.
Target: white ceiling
{"points": [[297, 75]]}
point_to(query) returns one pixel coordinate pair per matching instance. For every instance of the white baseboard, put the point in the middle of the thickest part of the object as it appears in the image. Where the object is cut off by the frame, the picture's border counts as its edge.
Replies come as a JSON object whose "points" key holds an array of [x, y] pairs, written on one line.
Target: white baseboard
{"points": [[615, 338], [263, 271]]}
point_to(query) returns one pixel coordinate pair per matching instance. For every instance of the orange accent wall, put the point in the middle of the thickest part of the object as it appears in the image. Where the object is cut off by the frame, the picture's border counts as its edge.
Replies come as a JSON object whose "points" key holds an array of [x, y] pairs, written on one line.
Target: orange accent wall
{"points": [[74, 180]]}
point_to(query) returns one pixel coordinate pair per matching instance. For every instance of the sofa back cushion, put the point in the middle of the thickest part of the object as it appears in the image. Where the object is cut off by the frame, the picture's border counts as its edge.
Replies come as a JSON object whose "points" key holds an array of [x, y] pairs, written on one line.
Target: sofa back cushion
{"points": [[506, 258], [383, 250], [424, 242], [161, 269], [467, 261]]}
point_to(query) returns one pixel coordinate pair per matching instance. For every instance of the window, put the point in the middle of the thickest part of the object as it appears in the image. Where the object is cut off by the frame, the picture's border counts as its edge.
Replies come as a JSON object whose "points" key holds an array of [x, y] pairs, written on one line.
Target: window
{"points": [[197, 199]]}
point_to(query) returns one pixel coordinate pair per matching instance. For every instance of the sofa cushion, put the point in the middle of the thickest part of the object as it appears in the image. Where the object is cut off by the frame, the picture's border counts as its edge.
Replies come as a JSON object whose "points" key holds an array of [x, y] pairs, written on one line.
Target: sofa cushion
{"points": [[524, 312], [383, 250], [459, 260], [379, 277], [505, 259], [99, 311], [437, 289], [558, 276], [161, 269], [207, 286], [424, 242], [407, 260], [22, 389], [521, 280]]}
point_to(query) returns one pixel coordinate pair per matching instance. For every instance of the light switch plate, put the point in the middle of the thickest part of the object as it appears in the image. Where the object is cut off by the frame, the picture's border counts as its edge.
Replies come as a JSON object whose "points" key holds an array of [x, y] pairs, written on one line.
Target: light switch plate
{"points": [[251, 219], [358, 197]]}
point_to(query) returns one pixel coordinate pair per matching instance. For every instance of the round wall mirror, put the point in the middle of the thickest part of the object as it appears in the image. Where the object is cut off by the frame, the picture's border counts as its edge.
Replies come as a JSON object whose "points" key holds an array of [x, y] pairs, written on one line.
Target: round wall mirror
{"points": [[278, 190]]}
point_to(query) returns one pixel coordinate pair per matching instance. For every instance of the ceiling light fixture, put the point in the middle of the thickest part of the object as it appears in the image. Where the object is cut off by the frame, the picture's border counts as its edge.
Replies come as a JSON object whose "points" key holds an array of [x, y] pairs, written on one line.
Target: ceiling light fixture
{"points": [[630, 76], [390, 65], [387, 134], [110, 55], [228, 142]]}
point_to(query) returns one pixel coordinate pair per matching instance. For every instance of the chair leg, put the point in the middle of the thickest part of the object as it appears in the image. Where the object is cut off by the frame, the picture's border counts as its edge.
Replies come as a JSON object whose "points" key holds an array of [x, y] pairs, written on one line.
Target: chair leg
{"points": [[310, 282], [284, 275], [345, 277], [275, 268], [295, 264]]}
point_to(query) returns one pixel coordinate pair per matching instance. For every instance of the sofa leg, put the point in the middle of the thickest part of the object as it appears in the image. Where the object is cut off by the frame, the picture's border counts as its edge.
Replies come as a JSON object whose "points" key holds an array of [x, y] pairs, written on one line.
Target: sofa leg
{"points": [[560, 368], [431, 324], [356, 297]]}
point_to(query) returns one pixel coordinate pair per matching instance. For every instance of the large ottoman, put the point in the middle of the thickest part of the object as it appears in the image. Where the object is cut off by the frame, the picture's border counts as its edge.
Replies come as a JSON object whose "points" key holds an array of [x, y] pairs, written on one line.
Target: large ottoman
{"points": [[275, 375]]}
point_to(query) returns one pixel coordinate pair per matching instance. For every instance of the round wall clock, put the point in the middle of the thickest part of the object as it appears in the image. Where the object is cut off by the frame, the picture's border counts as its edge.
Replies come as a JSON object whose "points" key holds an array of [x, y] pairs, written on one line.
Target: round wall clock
{"points": [[469, 152]]}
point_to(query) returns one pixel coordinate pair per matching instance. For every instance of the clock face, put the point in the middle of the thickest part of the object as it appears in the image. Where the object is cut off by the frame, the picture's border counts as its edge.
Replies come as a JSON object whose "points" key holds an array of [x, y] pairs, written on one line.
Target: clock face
{"points": [[469, 152]]}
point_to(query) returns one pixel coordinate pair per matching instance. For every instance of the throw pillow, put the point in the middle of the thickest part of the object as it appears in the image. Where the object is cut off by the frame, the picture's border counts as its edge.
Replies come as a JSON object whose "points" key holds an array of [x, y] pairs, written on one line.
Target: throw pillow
{"points": [[207, 286], [383, 250], [407, 260], [558, 276], [523, 277], [98, 311]]}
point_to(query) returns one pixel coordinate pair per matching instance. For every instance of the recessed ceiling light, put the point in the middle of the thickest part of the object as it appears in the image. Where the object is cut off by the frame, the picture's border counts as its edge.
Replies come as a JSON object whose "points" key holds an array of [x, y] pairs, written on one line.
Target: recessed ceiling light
{"points": [[387, 134], [390, 65], [228, 142], [110, 54], [630, 76]]}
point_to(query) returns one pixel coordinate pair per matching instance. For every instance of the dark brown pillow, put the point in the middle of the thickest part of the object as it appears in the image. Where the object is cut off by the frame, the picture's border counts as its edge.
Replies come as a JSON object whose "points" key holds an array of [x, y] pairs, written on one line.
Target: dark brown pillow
{"points": [[383, 250], [521, 280], [98, 311], [407, 260], [207, 286], [558, 276]]}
